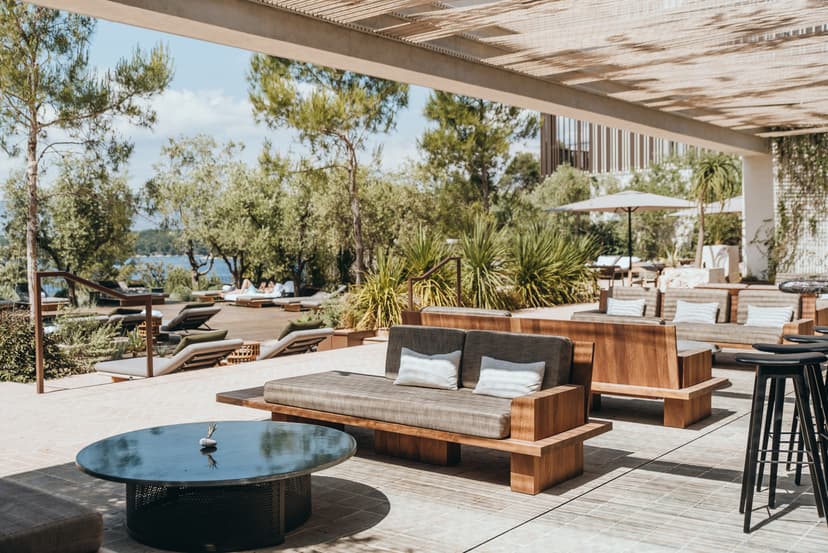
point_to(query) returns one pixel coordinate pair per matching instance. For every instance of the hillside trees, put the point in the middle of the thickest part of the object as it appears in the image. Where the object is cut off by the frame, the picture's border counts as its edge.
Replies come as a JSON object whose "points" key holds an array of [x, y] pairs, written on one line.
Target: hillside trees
{"points": [[52, 101], [470, 143], [334, 116], [185, 185]]}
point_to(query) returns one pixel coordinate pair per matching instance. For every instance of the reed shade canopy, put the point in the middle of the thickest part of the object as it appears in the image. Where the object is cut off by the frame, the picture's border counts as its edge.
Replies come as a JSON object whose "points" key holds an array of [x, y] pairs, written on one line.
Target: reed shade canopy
{"points": [[627, 202], [754, 67], [730, 205]]}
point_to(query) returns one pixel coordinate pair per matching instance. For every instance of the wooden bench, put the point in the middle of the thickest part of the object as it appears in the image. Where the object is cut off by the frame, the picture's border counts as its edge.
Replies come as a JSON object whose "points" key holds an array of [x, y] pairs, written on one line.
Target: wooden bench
{"points": [[634, 360], [546, 441]]}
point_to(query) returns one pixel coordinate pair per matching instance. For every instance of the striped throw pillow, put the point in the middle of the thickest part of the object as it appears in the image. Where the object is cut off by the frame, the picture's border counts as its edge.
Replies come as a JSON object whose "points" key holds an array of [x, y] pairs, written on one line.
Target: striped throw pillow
{"points": [[694, 312], [769, 316], [500, 378], [627, 308], [429, 371]]}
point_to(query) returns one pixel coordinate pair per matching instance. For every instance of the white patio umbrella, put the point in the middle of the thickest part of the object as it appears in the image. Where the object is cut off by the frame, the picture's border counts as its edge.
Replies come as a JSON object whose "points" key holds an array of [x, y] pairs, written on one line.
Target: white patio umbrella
{"points": [[730, 205], [627, 202]]}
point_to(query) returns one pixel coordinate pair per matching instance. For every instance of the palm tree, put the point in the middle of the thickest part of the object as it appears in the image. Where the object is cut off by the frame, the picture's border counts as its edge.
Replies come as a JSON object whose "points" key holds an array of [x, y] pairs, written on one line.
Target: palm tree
{"points": [[715, 179]]}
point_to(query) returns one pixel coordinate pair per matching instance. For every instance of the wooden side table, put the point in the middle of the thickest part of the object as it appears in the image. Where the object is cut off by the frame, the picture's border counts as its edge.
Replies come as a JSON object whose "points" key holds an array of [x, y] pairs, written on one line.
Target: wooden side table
{"points": [[248, 351], [156, 329]]}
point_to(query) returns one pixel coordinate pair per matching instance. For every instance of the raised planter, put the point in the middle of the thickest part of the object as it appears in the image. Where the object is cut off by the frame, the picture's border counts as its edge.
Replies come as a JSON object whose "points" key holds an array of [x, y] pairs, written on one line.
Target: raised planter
{"points": [[345, 338]]}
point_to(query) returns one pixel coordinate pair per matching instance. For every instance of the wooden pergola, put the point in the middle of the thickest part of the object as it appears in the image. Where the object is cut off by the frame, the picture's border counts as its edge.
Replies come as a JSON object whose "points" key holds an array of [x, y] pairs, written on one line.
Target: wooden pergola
{"points": [[749, 66]]}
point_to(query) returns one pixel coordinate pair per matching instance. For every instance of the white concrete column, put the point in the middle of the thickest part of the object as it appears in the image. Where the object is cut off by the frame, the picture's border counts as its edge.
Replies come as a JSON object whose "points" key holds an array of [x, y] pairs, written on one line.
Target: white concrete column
{"points": [[758, 217]]}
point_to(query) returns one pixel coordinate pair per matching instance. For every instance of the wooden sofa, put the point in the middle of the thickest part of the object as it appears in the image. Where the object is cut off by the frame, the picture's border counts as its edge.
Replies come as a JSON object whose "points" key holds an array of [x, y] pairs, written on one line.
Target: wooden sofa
{"points": [[730, 332], [634, 360], [543, 432]]}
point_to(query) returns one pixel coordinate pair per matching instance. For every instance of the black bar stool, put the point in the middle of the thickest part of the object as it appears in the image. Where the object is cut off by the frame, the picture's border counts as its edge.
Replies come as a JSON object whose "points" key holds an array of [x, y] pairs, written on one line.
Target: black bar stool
{"points": [[773, 368], [816, 386], [821, 329]]}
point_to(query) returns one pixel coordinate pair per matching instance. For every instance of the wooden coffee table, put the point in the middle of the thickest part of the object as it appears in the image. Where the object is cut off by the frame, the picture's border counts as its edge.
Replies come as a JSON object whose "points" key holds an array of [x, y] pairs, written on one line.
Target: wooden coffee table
{"points": [[245, 493]]}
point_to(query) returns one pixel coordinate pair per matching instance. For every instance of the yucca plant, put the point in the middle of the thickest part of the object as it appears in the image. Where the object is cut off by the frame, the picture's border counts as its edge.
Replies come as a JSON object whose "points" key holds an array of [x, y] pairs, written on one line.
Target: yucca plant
{"points": [[485, 276], [548, 269], [421, 251], [381, 298]]}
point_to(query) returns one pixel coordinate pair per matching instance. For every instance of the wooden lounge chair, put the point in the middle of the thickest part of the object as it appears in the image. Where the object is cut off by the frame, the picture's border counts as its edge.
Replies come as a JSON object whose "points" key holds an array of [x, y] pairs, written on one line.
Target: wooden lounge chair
{"points": [[299, 341], [194, 356], [191, 317]]}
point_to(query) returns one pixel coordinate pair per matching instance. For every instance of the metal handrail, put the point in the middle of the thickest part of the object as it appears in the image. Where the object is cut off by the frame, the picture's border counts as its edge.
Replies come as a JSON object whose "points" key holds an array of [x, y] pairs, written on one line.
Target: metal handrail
{"points": [[38, 306], [430, 272]]}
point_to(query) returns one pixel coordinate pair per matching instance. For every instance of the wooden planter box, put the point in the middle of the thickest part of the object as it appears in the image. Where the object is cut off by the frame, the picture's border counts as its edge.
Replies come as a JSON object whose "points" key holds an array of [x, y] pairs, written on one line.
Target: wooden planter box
{"points": [[345, 338]]}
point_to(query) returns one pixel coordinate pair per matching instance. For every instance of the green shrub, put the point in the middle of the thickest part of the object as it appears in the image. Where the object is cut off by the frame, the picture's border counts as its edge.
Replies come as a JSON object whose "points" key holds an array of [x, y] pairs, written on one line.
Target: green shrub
{"points": [[549, 269], [380, 299], [181, 293], [17, 351], [177, 277], [423, 250], [331, 312], [85, 340], [485, 276]]}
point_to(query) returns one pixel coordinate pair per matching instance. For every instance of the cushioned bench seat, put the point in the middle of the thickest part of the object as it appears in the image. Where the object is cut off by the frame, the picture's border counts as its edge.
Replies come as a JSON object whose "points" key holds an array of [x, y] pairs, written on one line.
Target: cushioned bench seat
{"points": [[32, 521], [378, 398], [728, 333]]}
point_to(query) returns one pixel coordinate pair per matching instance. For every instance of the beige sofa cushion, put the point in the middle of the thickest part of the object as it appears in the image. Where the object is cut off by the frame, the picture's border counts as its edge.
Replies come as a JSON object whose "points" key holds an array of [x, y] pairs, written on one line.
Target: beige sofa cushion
{"points": [[377, 398], [697, 295], [728, 333], [595, 316], [766, 298]]}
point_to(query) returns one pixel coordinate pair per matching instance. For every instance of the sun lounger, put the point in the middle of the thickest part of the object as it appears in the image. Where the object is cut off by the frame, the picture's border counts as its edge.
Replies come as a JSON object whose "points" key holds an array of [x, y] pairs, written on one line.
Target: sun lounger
{"points": [[316, 302], [319, 297], [194, 356], [191, 318], [299, 341]]}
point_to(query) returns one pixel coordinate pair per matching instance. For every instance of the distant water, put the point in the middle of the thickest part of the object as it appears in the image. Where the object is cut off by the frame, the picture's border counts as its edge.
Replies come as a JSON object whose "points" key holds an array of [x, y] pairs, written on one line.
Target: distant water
{"points": [[219, 270]]}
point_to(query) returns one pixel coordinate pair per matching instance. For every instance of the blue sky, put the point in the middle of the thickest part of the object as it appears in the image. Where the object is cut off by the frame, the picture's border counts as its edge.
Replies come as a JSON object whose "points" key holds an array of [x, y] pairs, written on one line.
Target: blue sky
{"points": [[209, 95]]}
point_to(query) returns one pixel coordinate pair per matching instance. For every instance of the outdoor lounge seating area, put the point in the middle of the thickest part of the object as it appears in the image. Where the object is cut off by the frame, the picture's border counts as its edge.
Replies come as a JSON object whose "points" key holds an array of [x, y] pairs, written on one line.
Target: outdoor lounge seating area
{"points": [[538, 276], [731, 320], [543, 430], [641, 482]]}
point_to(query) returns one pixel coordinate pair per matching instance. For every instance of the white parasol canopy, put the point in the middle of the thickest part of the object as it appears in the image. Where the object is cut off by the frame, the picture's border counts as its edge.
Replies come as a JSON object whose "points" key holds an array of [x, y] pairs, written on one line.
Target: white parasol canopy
{"points": [[627, 202], [731, 205]]}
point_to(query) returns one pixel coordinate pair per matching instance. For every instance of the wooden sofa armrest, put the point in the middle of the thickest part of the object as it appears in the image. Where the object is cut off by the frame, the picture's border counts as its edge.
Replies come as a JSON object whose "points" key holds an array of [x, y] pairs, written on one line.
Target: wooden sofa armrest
{"points": [[821, 316], [547, 412], [799, 326]]}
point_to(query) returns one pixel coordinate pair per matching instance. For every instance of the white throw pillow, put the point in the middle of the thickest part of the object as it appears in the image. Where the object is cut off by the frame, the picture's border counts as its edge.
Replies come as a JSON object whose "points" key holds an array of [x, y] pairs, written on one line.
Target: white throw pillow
{"points": [[501, 378], [629, 308], [769, 316], [428, 371], [693, 312]]}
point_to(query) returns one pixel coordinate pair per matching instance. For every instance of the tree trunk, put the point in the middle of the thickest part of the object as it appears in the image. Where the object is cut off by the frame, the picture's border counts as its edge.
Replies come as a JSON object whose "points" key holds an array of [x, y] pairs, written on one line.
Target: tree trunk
{"points": [[31, 221], [700, 242], [359, 250]]}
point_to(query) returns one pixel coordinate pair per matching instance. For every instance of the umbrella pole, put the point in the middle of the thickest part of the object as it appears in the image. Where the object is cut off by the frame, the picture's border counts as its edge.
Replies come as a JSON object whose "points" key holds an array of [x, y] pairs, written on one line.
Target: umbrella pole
{"points": [[629, 244]]}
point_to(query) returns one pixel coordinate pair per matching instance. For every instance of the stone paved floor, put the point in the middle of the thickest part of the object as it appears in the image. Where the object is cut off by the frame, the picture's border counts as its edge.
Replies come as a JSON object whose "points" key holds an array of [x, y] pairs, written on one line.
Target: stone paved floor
{"points": [[646, 487]]}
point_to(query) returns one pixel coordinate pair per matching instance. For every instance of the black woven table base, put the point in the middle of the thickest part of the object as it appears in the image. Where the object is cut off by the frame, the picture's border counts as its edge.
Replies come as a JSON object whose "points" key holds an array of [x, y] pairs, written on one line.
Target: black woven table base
{"points": [[217, 518]]}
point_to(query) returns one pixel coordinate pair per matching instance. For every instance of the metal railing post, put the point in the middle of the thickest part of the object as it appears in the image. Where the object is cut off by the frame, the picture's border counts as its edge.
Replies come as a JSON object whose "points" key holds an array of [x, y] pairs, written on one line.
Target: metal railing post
{"points": [[38, 305], [149, 336], [38, 329]]}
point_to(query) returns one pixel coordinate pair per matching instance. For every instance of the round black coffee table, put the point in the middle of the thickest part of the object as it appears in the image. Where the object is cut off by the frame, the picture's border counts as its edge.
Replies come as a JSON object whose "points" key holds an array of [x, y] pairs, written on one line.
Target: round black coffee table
{"points": [[243, 494]]}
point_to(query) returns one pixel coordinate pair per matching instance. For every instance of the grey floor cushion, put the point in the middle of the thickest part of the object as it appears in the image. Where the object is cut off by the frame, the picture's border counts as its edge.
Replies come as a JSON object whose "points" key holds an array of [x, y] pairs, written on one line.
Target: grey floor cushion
{"points": [[32, 521]]}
